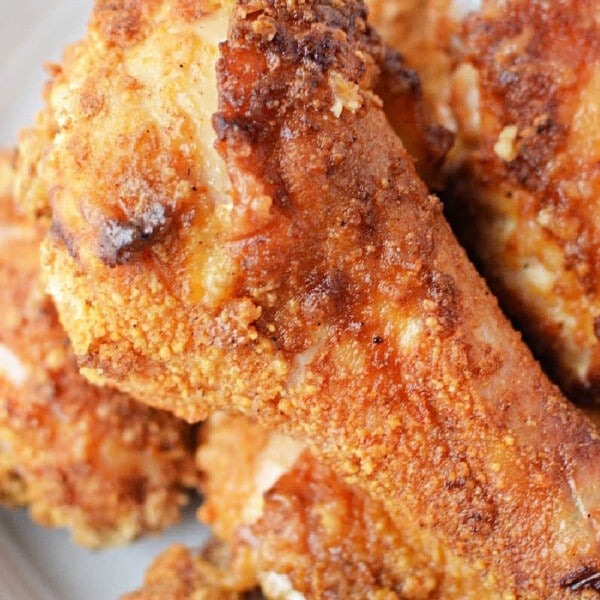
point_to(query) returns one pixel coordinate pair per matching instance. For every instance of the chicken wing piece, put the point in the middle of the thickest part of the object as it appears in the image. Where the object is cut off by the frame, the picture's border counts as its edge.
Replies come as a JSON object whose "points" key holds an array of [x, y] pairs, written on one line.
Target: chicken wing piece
{"points": [[525, 201], [92, 460], [301, 273]]}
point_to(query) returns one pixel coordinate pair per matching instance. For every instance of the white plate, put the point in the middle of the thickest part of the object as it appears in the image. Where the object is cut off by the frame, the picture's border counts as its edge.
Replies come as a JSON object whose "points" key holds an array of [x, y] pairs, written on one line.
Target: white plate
{"points": [[38, 564]]}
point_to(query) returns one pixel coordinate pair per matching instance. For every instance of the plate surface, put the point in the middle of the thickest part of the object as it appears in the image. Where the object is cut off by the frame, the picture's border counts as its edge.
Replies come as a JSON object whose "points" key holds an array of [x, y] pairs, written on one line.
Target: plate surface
{"points": [[38, 564]]}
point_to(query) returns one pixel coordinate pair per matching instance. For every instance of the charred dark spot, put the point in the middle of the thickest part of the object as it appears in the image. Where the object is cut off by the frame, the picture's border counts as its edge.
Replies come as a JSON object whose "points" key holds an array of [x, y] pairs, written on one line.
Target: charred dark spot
{"points": [[220, 125], [455, 484], [320, 50], [400, 79], [120, 239], [536, 150], [239, 128], [378, 340], [543, 124], [286, 46], [586, 578], [331, 16]]}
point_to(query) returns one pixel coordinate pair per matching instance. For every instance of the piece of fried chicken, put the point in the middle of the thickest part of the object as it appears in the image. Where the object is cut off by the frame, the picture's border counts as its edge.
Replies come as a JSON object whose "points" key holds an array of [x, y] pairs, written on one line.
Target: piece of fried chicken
{"points": [[290, 527], [301, 273], [525, 201], [294, 527], [89, 459], [208, 573]]}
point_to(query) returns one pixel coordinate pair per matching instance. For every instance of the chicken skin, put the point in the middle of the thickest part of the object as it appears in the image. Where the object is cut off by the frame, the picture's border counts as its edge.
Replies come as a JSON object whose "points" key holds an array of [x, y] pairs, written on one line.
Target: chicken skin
{"points": [[298, 271], [427, 33], [88, 459], [524, 201]]}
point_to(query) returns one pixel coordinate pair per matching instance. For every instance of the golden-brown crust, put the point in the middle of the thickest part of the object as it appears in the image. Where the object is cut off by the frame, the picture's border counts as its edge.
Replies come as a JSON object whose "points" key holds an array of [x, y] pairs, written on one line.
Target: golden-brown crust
{"points": [[331, 540], [427, 142], [122, 22], [310, 534], [296, 530], [349, 316], [525, 199], [80, 457]]}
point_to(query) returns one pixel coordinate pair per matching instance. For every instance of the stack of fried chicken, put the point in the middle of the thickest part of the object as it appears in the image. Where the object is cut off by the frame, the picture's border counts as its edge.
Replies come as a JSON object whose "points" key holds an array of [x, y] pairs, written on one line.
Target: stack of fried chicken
{"points": [[228, 206]]}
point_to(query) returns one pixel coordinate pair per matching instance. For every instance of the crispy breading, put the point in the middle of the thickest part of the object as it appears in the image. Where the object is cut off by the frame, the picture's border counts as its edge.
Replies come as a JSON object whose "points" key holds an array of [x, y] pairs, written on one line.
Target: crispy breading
{"points": [[92, 460], [427, 34], [525, 201], [403, 100], [238, 461], [303, 275]]}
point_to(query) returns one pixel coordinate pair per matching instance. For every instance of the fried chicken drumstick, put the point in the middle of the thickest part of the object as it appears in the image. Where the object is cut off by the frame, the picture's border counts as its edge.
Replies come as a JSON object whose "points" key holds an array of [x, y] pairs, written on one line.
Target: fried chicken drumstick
{"points": [[92, 460], [303, 275]]}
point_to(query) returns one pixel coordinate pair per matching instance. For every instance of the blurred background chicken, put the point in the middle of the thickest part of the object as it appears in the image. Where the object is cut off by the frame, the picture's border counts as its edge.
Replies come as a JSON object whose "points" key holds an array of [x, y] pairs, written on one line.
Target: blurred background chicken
{"points": [[524, 202]]}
